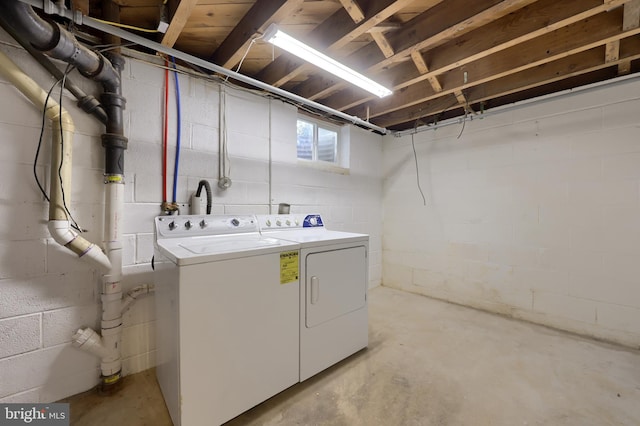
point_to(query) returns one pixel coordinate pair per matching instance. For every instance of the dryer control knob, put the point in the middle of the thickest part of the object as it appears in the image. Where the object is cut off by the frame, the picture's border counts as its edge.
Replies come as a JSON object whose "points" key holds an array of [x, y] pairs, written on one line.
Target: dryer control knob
{"points": [[267, 222], [188, 224], [313, 221], [235, 222], [288, 222], [278, 223], [172, 225], [203, 224]]}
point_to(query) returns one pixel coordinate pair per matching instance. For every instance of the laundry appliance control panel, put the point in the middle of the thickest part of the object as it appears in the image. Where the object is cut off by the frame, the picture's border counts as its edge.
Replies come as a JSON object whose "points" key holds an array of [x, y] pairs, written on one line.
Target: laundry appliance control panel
{"points": [[287, 221], [203, 225]]}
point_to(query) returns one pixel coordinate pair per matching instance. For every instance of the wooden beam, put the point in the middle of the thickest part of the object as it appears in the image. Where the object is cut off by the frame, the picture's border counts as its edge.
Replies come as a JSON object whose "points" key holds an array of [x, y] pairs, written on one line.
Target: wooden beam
{"points": [[178, 21], [461, 98], [111, 12], [384, 27], [419, 62], [529, 23], [612, 51], [353, 10], [421, 65], [569, 66], [357, 15], [257, 19], [631, 20], [631, 15], [624, 67], [334, 33], [383, 44], [442, 23], [584, 35]]}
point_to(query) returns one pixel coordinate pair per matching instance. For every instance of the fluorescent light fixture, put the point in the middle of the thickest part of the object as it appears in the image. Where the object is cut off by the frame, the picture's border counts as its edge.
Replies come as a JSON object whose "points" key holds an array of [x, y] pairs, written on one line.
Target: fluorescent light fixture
{"points": [[274, 36]]}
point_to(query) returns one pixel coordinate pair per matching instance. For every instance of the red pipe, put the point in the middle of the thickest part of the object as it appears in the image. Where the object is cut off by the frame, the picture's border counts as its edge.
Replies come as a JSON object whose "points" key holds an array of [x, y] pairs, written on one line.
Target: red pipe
{"points": [[166, 126]]}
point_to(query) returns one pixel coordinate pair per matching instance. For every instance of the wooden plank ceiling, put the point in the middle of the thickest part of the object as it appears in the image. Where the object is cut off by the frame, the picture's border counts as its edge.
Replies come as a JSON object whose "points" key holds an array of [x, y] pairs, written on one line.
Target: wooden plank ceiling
{"points": [[442, 58]]}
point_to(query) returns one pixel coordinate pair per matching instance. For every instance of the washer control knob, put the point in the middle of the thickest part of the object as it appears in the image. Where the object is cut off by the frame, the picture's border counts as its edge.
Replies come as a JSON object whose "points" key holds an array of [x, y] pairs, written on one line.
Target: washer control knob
{"points": [[288, 222], [188, 224], [203, 224], [267, 222], [313, 221], [278, 222], [235, 222], [172, 225]]}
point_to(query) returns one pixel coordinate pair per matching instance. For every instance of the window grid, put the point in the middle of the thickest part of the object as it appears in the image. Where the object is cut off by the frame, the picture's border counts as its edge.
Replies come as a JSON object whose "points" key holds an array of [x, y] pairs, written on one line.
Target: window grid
{"points": [[316, 142]]}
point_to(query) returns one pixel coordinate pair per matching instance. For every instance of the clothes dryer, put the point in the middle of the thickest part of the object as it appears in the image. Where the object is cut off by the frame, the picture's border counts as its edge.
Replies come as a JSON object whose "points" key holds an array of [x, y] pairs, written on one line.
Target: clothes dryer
{"points": [[333, 288]]}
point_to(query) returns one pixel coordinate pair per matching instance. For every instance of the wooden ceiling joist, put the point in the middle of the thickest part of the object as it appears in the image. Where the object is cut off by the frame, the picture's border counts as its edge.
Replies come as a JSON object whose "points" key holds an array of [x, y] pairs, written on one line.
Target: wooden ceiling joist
{"points": [[329, 36], [514, 30], [257, 19], [574, 65], [353, 10], [440, 24], [178, 21], [440, 57], [356, 13], [383, 44], [612, 51], [462, 100], [578, 37], [631, 15], [422, 67], [631, 20]]}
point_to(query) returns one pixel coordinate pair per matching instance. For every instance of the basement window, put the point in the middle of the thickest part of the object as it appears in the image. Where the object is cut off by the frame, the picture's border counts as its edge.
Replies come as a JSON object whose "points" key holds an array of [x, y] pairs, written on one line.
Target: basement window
{"points": [[321, 144]]}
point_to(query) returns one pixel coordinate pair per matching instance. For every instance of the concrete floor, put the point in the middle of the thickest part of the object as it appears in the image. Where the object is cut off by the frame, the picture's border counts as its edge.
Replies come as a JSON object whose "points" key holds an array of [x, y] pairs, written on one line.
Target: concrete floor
{"points": [[430, 363]]}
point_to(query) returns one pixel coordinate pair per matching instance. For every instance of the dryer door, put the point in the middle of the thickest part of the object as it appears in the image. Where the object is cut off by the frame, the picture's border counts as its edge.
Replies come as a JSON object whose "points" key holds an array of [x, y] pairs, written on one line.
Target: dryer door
{"points": [[336, 283]]}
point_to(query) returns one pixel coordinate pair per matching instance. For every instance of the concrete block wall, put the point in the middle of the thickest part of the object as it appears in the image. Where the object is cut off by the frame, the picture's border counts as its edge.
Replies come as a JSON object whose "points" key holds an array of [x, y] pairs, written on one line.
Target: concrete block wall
{"points": [[46, 294], [533, 212]]}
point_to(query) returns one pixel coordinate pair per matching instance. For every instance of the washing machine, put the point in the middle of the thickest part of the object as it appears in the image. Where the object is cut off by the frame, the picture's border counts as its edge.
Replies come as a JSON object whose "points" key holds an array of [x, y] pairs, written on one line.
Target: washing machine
{"points": [[333, 288], [227, 310]]}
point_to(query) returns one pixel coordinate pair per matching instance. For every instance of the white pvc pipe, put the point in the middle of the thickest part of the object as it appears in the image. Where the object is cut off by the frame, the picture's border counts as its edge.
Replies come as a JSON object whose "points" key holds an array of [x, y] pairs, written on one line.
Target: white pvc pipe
{"points": [[62, 144], [111, 324], [106, 347]]}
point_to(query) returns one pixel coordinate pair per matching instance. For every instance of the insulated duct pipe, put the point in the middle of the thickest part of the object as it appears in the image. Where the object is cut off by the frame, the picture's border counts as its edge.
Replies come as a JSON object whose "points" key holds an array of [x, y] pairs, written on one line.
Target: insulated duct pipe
{"points": [[57, 42], [62, 144]]}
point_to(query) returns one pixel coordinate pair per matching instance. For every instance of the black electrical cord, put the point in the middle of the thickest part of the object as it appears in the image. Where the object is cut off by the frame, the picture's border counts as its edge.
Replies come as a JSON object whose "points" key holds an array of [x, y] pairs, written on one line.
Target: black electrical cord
{"points": [[35, 160], [74, 224], [464, 122], [415, 157]]}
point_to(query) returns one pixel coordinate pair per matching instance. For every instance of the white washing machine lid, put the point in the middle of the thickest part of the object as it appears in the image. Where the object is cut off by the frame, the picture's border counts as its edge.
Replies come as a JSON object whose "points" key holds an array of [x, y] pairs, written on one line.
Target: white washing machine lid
{"points": [[194, 239], [195, 250]]}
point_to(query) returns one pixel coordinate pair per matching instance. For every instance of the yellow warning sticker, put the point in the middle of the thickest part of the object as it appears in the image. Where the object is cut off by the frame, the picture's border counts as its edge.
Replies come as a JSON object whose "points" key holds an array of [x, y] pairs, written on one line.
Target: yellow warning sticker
{"points": [[289, 267]]}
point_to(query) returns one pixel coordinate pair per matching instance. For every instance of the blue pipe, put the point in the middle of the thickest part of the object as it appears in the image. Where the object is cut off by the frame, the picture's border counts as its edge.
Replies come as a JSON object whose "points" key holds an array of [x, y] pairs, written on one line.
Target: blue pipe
{"points": [[175, 170]]}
